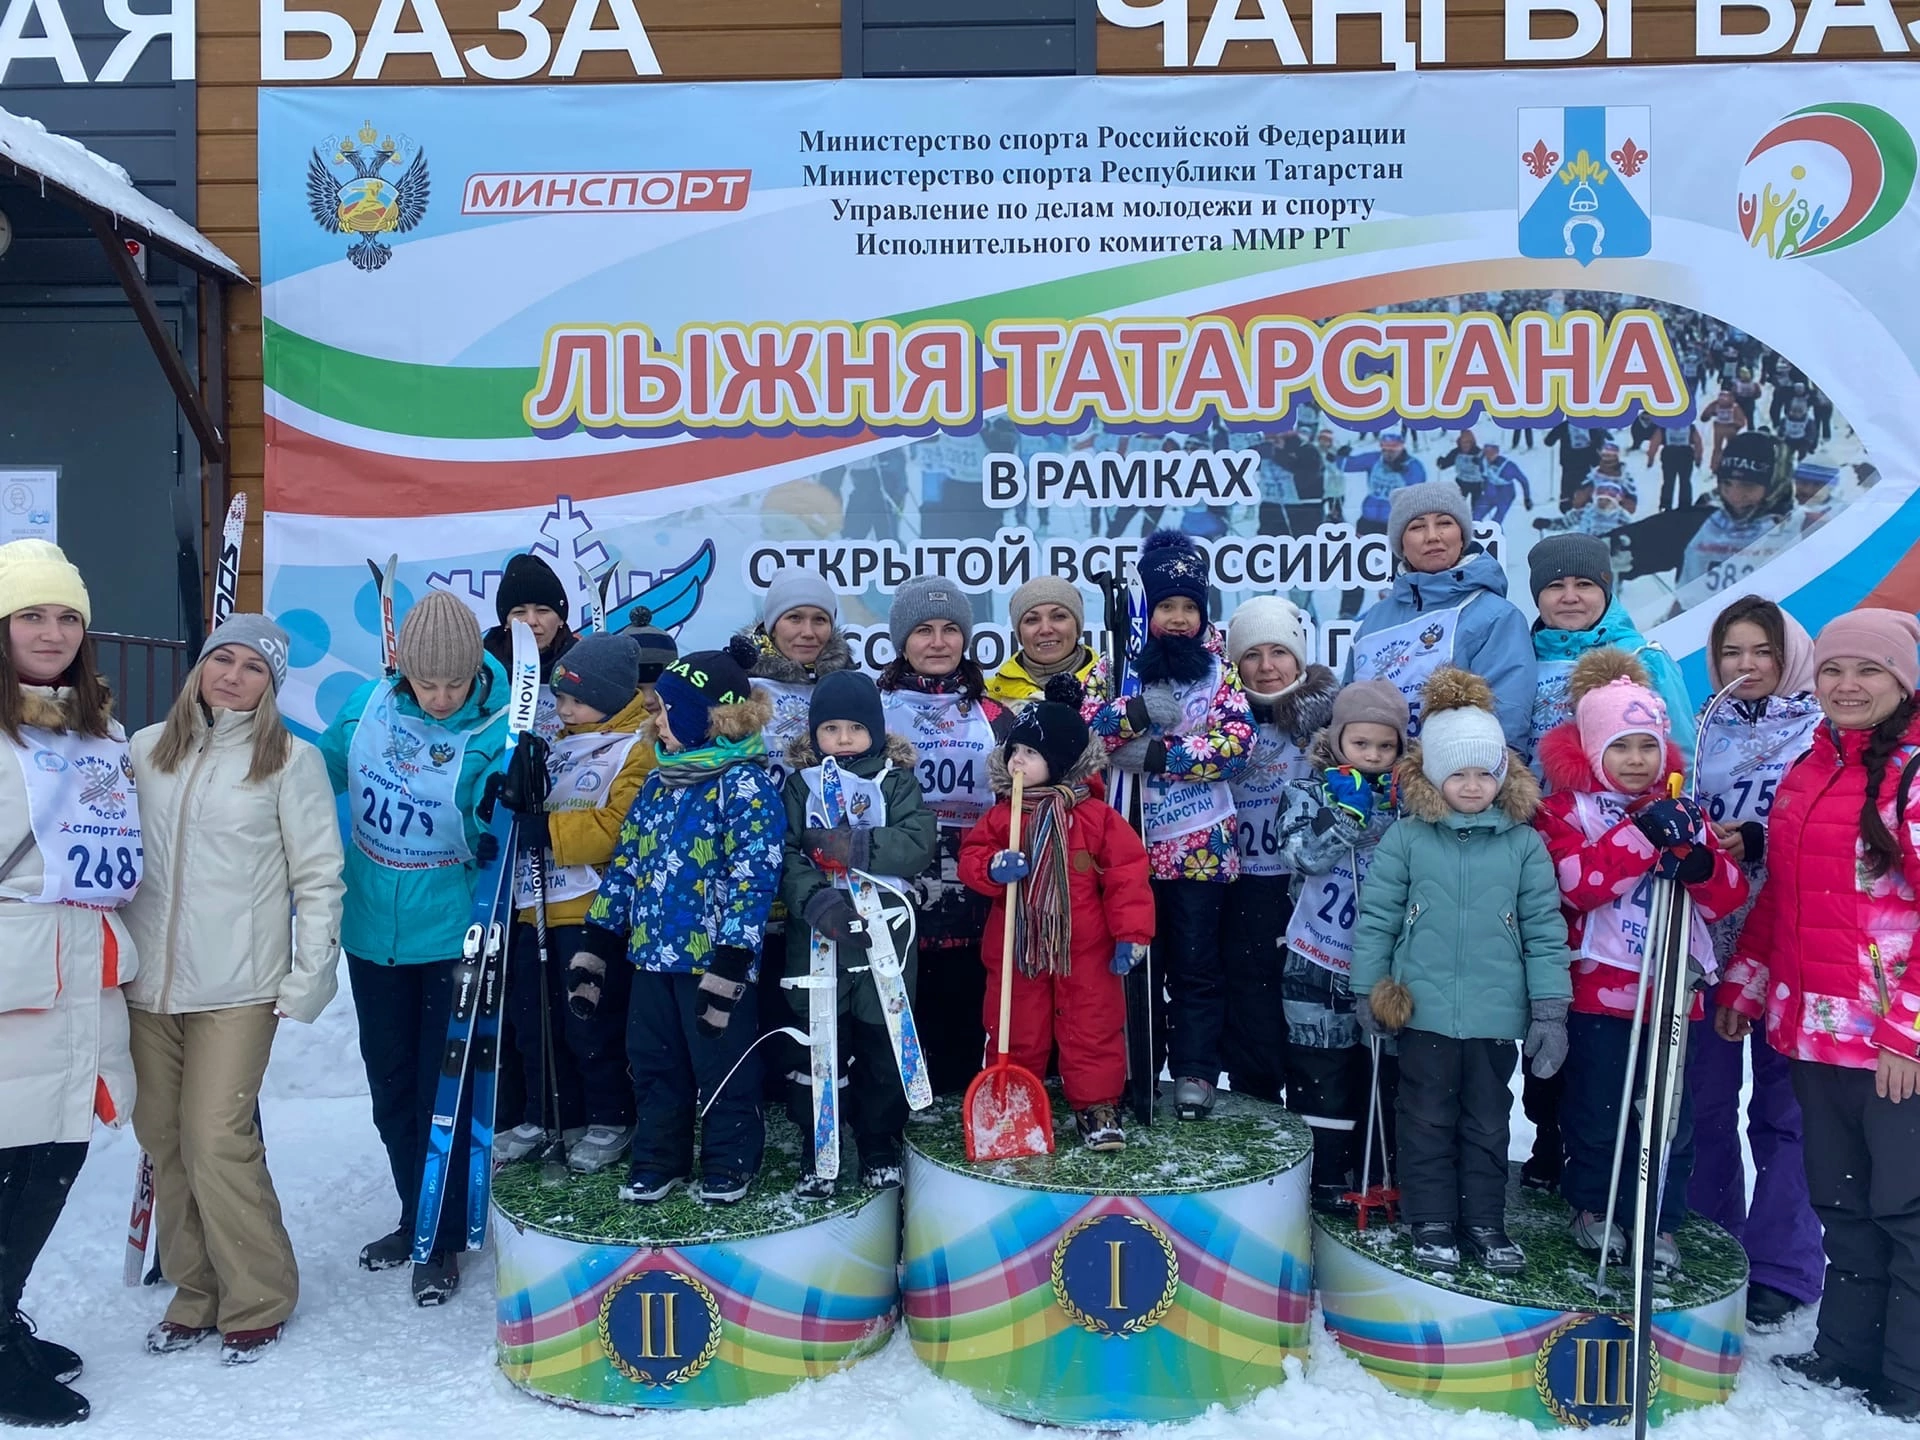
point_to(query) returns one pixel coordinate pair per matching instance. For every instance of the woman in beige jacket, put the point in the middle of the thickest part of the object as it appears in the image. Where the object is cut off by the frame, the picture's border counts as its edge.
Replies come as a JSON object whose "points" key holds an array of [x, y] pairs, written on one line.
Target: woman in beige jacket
{"points": [[69, 857], [240, 822]]}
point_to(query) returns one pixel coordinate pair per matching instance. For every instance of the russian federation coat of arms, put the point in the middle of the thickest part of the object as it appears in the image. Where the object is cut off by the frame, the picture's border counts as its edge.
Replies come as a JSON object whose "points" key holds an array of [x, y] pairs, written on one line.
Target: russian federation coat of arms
{"points": [[368, 200]]}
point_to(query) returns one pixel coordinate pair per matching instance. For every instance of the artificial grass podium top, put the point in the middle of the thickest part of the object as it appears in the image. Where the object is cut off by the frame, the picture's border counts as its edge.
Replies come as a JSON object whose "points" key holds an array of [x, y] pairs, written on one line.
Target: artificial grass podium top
{"points": [[1243, 1141], [1559, 1275]]}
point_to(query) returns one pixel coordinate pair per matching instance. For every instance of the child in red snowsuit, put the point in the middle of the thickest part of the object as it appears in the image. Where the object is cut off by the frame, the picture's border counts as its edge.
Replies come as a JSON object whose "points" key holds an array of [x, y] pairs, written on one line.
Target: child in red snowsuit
{"points": [[1085, 913]]}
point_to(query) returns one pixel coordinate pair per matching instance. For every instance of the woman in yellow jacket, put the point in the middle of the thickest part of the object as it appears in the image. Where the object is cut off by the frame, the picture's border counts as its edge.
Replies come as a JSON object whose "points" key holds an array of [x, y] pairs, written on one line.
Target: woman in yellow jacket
{"points": [[69, 858], [572, 1030], [1048, 616], [240, 822]]}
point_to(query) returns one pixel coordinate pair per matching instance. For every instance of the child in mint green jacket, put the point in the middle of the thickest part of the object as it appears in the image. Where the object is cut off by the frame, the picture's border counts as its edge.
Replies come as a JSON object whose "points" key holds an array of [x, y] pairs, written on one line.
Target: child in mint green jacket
{"points": [[1460, 950]]}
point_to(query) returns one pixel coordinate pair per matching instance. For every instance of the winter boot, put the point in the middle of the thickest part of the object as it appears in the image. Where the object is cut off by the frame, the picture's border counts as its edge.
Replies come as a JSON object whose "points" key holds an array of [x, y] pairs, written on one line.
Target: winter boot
{"points": [[518, 1143], [57, 1360], [650, 1189], [1666, 1254], [1768, 1309], [389, 1252], [1099, 1127], [243, 1347], [1435, 1247], [1329, 1197], [28, 1394], [1586, 1229], [1192, 1098], [1492, 1248], [1816, 1369], [724, 1187], [1892, 1399], [435, 1282], [881, 1175], [814, 1186], [599, 1148], [170, 1338]]}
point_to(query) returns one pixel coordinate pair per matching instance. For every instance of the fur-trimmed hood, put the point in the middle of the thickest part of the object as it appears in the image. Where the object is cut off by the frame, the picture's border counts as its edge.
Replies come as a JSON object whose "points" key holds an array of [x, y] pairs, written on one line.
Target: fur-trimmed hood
{"points": [[1301, 711], [45, 707], [1563, 760], [1517, 799], [738, 721], [1092, 760], [770, 664], [802, 754]]}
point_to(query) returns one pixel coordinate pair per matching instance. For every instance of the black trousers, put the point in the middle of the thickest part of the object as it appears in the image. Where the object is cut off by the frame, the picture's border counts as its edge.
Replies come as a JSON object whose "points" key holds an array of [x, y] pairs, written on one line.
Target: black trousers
{"points": [[1452, 1144], [1540, 1099], [1863, 1176], [1253, 955], [589, 1056], [35, 1181], [1332, 1091], [676, 1069], [781, 1058], [873, 1105], [403, 1012], [1187, 958], [1595, 1072], [1676, 477]]}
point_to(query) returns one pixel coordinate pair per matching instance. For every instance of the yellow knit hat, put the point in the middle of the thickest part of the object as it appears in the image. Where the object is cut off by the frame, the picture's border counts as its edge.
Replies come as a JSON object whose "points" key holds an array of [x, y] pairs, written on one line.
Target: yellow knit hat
{"points": [[37, 572]]}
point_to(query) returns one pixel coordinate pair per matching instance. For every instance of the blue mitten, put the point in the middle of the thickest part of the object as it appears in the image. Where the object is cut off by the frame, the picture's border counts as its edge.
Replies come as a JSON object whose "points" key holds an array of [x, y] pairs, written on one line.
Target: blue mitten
{"points": [[1126, 955], [1350, 790], [1008, 866]]}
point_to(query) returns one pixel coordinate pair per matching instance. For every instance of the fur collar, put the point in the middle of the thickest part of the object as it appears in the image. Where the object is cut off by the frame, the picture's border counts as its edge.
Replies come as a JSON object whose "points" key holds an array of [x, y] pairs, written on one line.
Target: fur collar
{"points": [[1092, 760], [1304, 709], [770, 664], [737, 722], [801, 754], [1564, 763], [45, 707], [1518, 798]]}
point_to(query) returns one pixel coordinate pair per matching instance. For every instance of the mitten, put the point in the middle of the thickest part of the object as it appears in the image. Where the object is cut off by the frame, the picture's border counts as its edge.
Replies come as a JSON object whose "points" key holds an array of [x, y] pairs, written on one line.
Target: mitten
{"points": [[720, 988], [1546, 1043], [1163, 706], [1131, 756], [1689, 864], [831, 912], [1671, 821], [487, 848], [1136, 718], [1154, 761], [1008, 866], [586, 977], [838, 848], [1370, 1025], [527, 783], [1126, 955], [1351, 791]]}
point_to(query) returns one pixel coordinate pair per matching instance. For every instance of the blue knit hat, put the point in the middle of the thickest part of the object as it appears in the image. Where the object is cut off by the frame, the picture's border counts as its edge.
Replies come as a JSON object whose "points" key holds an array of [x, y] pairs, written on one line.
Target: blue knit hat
{"points": [[1171, 564]]}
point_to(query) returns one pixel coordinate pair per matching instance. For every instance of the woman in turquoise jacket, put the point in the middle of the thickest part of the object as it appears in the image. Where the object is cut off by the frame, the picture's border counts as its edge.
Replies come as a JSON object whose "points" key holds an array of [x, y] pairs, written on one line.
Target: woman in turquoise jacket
{"points": [[412, 755]]}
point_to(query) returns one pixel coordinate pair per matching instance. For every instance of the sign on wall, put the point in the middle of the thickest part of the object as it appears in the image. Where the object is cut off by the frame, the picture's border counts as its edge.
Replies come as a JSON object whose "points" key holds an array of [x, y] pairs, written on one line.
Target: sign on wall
{"points": [[696, 335]]}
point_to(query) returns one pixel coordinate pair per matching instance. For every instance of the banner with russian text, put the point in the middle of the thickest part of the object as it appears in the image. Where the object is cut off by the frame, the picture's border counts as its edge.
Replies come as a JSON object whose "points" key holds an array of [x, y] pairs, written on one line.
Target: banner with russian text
{"points": [[695, 334]]}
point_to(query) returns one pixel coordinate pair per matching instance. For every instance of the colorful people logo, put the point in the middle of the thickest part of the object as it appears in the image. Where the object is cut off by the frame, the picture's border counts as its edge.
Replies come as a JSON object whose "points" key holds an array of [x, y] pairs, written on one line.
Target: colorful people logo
{"points": [[1824, 177]]}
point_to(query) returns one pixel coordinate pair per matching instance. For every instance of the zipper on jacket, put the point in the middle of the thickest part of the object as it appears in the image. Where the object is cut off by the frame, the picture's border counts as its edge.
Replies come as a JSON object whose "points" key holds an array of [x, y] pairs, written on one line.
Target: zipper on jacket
{"points": [[179, 877], [1879, 978]]}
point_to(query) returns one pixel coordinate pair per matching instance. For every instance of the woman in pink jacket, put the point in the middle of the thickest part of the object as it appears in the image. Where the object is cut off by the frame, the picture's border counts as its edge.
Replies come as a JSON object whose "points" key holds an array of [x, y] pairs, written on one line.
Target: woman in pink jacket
{"points": [[1827, 957]]}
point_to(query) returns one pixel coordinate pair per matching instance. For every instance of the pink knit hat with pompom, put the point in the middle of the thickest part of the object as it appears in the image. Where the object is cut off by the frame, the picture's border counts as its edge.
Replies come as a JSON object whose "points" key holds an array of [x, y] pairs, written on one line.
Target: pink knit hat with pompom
{"points": [[1620, 707]]}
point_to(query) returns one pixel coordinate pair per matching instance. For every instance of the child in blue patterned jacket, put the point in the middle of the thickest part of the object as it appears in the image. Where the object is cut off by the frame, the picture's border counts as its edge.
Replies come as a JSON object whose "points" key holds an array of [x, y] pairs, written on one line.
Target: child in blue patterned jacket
{"points": [[685, 900]]}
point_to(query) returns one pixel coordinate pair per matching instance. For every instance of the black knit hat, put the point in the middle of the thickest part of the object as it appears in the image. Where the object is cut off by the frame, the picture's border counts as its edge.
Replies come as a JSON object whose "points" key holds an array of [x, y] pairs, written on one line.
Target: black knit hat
{"points": [[600, 670], [1748, 456], [1056, 732], [848, 695], [529, 581]]}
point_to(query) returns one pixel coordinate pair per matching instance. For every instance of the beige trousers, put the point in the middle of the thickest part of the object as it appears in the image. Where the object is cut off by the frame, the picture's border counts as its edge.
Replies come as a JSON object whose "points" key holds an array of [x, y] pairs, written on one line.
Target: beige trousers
{"points": [[222, 1243]]}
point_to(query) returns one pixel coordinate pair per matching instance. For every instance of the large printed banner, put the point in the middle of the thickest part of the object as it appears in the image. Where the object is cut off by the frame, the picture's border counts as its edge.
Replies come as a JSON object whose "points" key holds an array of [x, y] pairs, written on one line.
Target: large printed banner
{"points": [[696, 334]]}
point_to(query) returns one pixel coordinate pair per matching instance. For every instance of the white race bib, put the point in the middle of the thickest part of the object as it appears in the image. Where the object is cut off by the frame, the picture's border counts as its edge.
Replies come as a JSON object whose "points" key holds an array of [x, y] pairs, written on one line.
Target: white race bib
{"points": [[789, 723], [1743, 761], [953, 740], [1172, 807], [403, 782], [1616, 933], [866, 808], [1405, 655], [1275, 763], [85, 815], [582, 769], [1323, 917]]}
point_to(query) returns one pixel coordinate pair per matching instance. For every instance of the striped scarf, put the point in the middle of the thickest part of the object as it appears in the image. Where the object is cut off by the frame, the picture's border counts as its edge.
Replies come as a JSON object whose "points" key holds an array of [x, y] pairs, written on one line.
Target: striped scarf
{"points": [[1043, 940]]}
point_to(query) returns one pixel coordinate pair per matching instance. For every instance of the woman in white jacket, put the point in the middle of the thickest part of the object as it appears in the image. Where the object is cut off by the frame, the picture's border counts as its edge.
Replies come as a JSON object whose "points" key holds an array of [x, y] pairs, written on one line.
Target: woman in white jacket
{"points": [[69, 857], [240, 819]]}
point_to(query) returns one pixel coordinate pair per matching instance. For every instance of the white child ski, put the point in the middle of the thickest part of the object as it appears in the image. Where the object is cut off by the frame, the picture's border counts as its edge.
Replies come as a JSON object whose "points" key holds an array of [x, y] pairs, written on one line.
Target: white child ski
{"points": [[822, 984]]}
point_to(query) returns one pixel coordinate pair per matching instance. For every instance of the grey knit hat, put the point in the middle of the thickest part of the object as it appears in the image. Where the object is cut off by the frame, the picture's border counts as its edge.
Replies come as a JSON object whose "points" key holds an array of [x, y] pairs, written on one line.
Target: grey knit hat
{"points": [[439, 640], [599, 670], [655, 648], [793, 588], [258, 634], [1047, 590], [1369, 702], [924, 598], [1430, 497], [1569, 557]]}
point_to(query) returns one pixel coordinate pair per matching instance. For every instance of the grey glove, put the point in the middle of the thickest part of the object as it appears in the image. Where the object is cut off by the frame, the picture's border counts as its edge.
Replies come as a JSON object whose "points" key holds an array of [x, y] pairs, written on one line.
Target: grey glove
{"points": [[1163, 706], [1546, 1043], [1370, 1025], [1131, 756]]}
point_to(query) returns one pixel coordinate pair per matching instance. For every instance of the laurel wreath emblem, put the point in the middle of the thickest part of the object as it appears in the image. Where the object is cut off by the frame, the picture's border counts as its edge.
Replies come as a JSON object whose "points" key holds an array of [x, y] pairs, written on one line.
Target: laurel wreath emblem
{"points": [[1541, 1384], [1147, 1319], [687, 1371]]}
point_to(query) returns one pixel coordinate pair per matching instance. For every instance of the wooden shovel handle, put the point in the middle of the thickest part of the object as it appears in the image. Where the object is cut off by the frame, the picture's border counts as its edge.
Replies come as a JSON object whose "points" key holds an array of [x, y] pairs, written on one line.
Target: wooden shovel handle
{"points": [[1006, 940]]}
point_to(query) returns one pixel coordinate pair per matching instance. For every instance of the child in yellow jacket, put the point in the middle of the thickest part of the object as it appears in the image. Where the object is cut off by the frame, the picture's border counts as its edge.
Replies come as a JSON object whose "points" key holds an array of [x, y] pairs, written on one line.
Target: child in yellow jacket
{"points": [[595, 768]]}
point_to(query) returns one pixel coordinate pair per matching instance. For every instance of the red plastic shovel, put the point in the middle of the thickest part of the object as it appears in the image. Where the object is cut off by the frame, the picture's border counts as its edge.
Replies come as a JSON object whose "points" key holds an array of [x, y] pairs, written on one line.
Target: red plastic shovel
{"points": [[1007, 1113]]}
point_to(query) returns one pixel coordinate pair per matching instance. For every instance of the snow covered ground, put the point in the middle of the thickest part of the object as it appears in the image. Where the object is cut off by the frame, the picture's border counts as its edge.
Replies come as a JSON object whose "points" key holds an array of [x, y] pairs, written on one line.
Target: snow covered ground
{"points": [[360, 1360]]}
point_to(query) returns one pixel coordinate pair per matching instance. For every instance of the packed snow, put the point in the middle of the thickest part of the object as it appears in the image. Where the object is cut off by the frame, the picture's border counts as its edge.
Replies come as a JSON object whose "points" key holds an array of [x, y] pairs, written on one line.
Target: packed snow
{"points": [[359, 1360]]}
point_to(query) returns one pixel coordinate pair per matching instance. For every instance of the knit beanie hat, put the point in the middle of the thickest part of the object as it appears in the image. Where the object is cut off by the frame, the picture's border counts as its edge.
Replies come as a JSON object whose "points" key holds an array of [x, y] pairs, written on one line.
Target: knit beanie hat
{"points": [[654, 648], [1369, 702], [258, 634], [793, 588], [602, 671], [439, 640], [1570, 557], [1047, 590], [1430, 497], [1268, 620], [1886, 637], [1458, 729], [529, 581], [693, 685], [1620, 707], [924, 598], [1171, 564], [1056, 732], [848, 695], [37, 572]]}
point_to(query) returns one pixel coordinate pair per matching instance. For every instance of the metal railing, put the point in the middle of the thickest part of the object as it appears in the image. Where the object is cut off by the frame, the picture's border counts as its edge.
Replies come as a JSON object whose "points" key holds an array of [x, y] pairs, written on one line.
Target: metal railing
{"points": [[145, 674]]}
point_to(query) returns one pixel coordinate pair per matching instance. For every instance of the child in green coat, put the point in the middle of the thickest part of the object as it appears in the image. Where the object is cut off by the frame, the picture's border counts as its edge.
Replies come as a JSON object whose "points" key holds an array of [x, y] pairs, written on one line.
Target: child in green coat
{"points": [[1460, 950]]}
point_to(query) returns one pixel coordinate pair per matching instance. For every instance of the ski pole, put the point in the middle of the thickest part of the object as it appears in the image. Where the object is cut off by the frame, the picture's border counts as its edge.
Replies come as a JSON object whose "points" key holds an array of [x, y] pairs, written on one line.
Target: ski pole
{"points": [[1626, 1109], [553, 1168]]}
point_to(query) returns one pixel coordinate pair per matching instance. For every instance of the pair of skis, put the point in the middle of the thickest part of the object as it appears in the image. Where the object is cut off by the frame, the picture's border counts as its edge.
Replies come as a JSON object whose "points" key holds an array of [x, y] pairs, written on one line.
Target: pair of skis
{"points": [[479, 983], [1126, 617], [226, 590]]}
